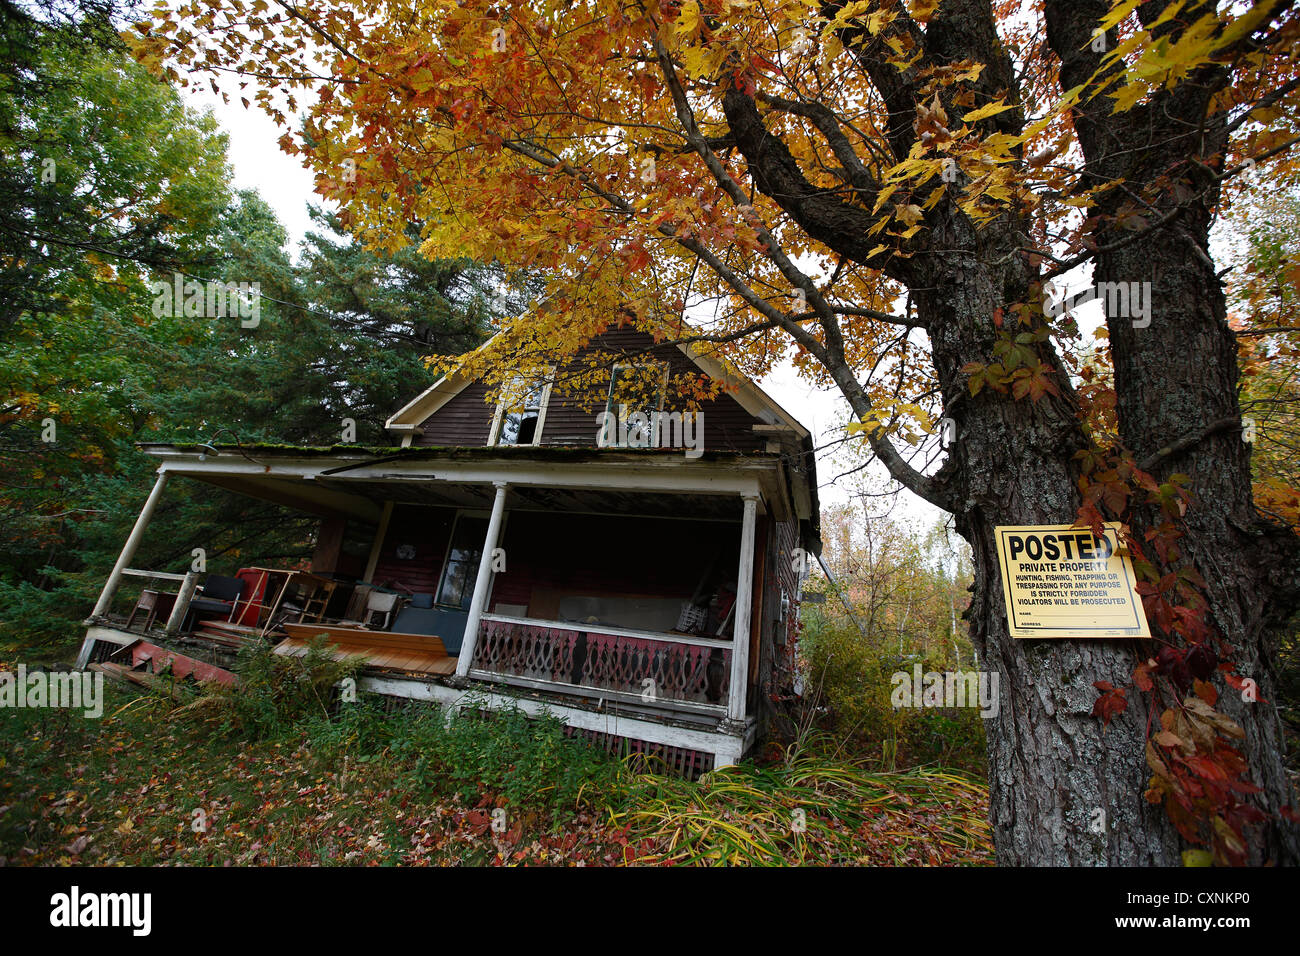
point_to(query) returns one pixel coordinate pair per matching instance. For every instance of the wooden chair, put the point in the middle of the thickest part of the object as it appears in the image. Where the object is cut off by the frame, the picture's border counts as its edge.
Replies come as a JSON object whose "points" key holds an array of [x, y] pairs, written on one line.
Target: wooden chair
{"points": [[153, 604]]}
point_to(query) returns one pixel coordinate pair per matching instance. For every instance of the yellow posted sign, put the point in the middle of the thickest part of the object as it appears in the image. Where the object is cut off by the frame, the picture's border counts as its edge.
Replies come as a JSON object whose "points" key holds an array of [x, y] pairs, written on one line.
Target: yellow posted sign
{"points": [[1063, 581]]}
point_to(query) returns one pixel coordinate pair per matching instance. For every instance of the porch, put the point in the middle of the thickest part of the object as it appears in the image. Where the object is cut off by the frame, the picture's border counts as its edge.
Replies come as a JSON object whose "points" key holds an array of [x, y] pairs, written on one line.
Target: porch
{"points": [[518, 580]]}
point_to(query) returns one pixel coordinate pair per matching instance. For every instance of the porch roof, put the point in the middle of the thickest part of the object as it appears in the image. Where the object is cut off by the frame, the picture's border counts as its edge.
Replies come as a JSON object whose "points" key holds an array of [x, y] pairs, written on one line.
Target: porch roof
{"points": [[354, 481]]}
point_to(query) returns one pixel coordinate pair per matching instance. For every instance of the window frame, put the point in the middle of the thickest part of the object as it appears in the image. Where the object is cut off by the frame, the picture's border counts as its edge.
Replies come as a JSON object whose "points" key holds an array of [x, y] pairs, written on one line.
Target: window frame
{"points": [[609, 396], [447, 558], [498, 419]]}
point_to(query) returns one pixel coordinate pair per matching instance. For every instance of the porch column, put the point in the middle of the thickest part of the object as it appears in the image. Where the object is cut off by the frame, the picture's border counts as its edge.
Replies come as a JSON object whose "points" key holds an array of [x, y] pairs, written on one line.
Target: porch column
{"points": [[182, 605], [128, 550], [483, 582], [377, 546], [744, 601]]}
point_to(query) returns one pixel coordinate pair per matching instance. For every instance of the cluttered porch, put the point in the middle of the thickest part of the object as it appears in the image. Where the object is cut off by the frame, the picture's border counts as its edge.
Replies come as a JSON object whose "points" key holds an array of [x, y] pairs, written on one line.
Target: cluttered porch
{"points": [[614, 608]]}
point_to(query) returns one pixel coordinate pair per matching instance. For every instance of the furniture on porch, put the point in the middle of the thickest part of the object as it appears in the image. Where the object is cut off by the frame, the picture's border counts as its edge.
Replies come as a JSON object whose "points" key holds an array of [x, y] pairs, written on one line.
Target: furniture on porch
{"points": [[376, 612], [152, 604], [248, 613], [299, 596], [220, 596]]}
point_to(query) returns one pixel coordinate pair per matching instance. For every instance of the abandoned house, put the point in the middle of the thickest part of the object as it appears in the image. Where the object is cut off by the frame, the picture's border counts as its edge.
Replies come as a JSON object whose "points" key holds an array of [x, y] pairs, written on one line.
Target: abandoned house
{"points": [[635, 573]]}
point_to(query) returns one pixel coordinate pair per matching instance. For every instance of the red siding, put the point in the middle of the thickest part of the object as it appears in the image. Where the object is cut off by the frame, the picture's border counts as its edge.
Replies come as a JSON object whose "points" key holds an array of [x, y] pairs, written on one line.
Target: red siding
{"points": [[609, 555]]}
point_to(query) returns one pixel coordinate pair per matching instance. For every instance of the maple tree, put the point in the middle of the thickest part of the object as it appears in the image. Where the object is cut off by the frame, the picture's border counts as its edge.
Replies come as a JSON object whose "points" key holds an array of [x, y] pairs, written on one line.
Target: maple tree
{"points": [[879, 191]]}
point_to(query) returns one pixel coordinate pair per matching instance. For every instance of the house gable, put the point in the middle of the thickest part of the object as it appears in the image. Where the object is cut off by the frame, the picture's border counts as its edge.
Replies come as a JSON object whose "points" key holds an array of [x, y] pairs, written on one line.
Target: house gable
{"points": [[456, 413]]}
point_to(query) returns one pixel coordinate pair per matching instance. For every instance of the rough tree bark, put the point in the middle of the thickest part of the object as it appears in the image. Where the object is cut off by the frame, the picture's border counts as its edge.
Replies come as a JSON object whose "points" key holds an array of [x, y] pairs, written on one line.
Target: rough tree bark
{"points": [[1064, 790], [1176, 377]]}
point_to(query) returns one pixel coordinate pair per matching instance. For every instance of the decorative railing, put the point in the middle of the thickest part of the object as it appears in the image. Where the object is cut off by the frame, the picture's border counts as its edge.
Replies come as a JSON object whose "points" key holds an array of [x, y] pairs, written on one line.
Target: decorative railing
{"points": [[674, 671]]}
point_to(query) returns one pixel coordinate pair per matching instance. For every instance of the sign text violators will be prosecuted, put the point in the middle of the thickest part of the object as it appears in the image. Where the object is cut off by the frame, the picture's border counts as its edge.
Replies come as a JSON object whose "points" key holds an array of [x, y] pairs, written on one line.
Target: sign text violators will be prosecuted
{"points": [[1063, 581]]}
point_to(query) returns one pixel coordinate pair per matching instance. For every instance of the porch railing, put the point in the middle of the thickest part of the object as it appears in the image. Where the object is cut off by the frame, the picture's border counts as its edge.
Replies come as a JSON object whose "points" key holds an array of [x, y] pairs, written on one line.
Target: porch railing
{"points": [[678, 672]]}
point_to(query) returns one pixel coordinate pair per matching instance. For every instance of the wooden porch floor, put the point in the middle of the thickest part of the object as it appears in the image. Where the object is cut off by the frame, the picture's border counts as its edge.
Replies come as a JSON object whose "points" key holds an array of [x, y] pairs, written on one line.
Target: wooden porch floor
{"points": [[412, 653]]}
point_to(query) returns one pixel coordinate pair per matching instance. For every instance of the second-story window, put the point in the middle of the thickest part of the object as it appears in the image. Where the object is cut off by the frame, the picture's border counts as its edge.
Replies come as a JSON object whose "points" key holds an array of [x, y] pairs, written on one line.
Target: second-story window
{"points": [[636, 395], [521, 412]]}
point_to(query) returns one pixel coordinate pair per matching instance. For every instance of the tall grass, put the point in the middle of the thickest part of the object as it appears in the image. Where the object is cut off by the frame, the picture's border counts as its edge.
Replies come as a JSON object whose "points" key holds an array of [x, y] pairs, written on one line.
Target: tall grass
{"points": [[808, 810], [274, 693]]}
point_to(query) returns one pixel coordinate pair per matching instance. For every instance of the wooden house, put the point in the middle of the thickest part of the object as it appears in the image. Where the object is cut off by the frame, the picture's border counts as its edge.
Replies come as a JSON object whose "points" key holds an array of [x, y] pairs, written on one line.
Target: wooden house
{"points": [[540, 553]]}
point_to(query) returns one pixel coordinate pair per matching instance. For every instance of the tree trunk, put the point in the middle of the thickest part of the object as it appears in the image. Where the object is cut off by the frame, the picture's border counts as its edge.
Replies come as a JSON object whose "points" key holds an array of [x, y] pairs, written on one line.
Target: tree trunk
{"points": [[1176, 376], [1063, 790], [1177, 379]]}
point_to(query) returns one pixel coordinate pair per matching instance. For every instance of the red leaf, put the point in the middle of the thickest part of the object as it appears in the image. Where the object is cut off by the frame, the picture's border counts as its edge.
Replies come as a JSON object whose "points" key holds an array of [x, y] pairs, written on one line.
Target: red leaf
{"points": [[1142, 675], [1110, 704]]}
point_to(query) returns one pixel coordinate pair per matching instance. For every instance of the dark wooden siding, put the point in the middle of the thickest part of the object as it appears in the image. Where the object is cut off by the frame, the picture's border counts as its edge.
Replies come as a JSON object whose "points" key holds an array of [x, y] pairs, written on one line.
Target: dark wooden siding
{"points": [[608, 555], [467, 418], [427, 530], [785, 542]]}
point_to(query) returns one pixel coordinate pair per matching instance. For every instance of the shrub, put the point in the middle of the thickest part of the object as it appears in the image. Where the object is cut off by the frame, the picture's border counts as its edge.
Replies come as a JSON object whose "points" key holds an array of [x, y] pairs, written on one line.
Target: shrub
{"points": [[528, 761], [274, 693], [850, 679]]}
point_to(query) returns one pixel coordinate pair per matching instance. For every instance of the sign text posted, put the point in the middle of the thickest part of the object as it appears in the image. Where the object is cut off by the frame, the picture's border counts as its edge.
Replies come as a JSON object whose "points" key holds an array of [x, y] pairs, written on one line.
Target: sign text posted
{"points": [[1063, 581]]}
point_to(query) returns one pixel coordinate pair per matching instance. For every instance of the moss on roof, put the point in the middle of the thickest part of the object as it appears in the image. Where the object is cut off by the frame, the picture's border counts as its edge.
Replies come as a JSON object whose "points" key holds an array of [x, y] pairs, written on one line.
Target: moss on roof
{"points": [[453, 452]]}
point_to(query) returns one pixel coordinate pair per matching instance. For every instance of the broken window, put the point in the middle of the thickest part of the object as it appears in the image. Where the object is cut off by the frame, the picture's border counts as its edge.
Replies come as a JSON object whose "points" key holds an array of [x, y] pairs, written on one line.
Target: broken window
{"points": [[521, 412]]}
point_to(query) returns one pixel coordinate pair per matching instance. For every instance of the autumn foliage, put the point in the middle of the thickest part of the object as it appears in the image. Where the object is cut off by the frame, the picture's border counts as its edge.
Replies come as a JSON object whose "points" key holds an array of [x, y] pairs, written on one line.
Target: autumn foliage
{"points": [[884, 194]]}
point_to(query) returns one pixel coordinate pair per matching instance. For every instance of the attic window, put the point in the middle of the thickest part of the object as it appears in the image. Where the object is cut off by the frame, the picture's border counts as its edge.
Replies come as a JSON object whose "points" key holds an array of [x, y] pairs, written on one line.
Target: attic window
{"points": [[521, 412], [636, 388]]}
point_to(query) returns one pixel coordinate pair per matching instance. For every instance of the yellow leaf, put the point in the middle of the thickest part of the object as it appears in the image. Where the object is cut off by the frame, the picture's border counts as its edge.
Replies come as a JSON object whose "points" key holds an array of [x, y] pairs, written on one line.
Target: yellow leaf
{"points": [[923, 10], [1128, 96], [985, 111], [688, 20], [1118, 13]]}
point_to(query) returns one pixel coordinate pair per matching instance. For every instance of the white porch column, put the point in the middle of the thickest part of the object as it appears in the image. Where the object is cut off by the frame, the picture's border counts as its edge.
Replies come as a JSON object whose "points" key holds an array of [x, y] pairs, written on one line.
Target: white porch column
{"points": [[483, 582], [744, 601], [182, 605], [128, 550]]}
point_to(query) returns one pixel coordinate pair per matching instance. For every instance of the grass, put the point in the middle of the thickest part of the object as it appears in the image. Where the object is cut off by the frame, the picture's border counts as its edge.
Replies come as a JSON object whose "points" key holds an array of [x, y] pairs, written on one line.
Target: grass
{"points": [[809, 810], [245, 781]]}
